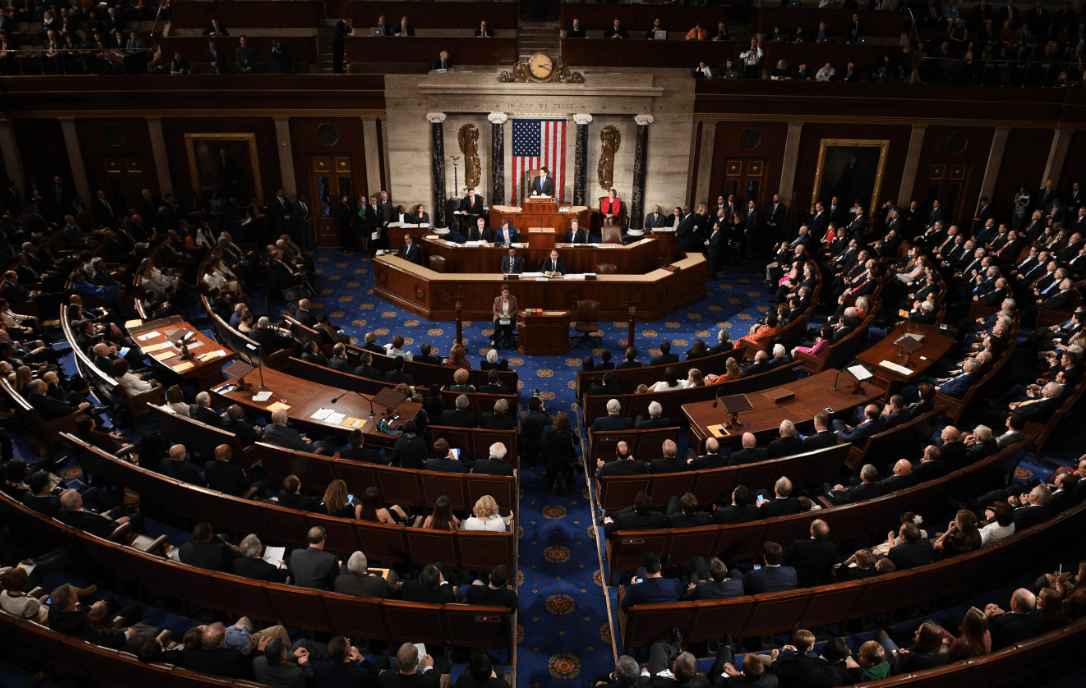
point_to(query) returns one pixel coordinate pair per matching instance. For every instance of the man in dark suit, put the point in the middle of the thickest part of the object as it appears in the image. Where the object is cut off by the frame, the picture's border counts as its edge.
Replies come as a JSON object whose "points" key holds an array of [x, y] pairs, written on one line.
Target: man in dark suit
{"points": [[671, 463], [430, 587], [512, 264], [612, 421], [1022, 622], [493, 465], [410, 449], [411, 251], [576, 234], [665, 357], [711, 582], [655, 218], [869, 488], [250, 564], [47, 406], [805, 670], [901, 477], [655, 419], [787, 444], [104, 216], [207, 550], [282, 436], [682, 512], [761, 364], [670, 667], [356, 579], [624, 464], [857, 29], [461, 416], [822, 437], [445, 460], [442, 61], [781, 503], [543, 184], [772, 576], [405, 673], [743, 508], [472, 208], [648, 585], [913, 551], [175, 466], [357, 451], [495, 591], [203, 412], [608, 388], [630, 362], [215, 57], [65, 618], [272, 339], [639, 517], [397, 374], [724, 674], [813, 559], [750, 453], [224, 476], [859, 434], [312, 567], [723, 343], [291, 497], [553, 266]]}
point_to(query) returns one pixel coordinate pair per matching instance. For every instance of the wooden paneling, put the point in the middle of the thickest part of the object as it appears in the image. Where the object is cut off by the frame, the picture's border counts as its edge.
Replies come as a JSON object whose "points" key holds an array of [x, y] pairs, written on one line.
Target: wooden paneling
{"points": [[597, 52], [935, 151], [421, 50], [104, 141], [817, 55], [837, 21], [174, 130], [43, 151], [1074, 167], [252, 14], [638, 18], [346, 156], [808, 157], [1024, 161], [728, 146], [302, 50], [443, 15]]}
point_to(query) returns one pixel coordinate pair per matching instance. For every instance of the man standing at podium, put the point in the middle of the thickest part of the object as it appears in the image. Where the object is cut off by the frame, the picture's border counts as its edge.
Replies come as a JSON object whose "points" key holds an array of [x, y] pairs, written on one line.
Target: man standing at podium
{"points": [[543, 185], [472, 208], [512, 264], [504, 314], [506, 235], [554, 266], [575, 235]]}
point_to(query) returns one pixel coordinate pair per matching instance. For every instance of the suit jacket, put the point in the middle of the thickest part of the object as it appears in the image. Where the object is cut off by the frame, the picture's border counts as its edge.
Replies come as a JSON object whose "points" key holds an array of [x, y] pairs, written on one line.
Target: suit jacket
{"points": [[90, 522], [859, 434], [785, 446], [715, 590], [312, 568], [283, 436], [909, 555], [369, 585], [622, 467], [215, 555], [394, 679], [513, 265], [579, 238], [410, 450], [777, 506], [653, 590], [1029, 515], [226, 477], [1010, 628], [259, 569], [415, 592], [486, 595], [438, 63], [412, 254], [812, 559], [632, 520], [459, 419], [732, 513], [675, 465], [558, 266], [769, 579], [811, 672], [748, 456], [541, 186], [859, 493], [181, 470], [50, 408], [819, 440], [492, 467]]}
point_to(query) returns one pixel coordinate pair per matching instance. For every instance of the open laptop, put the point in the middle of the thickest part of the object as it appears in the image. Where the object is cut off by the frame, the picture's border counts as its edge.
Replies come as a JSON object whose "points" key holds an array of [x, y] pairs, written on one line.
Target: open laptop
{"points": [[659, 35], [377, 31]]}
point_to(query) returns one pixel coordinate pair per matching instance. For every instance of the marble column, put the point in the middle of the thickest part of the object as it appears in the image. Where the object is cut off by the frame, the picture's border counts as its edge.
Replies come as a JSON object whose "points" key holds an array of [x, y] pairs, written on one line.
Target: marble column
{"points": [[705, 164], [1057, 156], [437, 165], [580, 160], [791, 159], [995, 159], [9, 151], [373, 157], [286, 156], [158, 152], [75, 158], [912, 162], [497, 157], [641, 154]]}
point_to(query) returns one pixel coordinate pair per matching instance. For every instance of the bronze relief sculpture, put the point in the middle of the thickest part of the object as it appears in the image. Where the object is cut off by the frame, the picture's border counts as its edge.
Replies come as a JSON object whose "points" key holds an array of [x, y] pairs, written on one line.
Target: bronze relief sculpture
{"points": [[468, 136], [611, 139]]}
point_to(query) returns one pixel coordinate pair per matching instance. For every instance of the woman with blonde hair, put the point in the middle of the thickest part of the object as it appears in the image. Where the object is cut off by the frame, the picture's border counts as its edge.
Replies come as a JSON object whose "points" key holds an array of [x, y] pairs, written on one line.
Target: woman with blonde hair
{"points": [[485, 516], [460, 381], [974, 640], [20, 379], [694, 378]]}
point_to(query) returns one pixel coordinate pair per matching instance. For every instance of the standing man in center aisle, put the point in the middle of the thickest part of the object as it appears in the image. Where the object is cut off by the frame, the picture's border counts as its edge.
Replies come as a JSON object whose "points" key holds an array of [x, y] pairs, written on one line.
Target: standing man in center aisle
{"points": [[339, 43], [344, 222]]}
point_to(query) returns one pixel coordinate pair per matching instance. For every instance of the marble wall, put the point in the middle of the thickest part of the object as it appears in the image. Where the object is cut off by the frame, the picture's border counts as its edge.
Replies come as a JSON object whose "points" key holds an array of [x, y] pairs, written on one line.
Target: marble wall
{"points": [[611, 98]]}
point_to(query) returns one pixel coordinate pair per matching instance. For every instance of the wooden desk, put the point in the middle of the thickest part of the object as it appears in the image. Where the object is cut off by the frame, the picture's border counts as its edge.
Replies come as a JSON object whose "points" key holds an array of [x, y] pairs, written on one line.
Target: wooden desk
{"points": [[431, 294], [543, 334], [540, 214], [204, 369], [303, 50], [879, 24], [306, 398], [253, 14], [678, 19], [421, 50], [813, 396], [598, 52], [443, 15], [637, 258], [935, 344], [816, 55]]}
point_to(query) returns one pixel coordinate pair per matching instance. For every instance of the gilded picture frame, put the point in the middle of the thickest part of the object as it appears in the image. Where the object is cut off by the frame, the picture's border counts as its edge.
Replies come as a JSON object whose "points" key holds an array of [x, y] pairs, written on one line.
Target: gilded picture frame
{"points": [[851, 169], [238, 178]]}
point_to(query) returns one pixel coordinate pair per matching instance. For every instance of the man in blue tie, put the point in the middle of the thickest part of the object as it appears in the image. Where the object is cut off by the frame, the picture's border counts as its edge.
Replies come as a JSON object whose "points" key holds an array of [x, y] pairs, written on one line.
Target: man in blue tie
{"points": [[957, 386], [859, 434]]}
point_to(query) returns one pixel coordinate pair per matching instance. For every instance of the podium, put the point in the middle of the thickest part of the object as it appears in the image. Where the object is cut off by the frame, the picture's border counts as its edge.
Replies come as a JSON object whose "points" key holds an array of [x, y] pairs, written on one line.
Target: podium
{"points": [[547, 333]]}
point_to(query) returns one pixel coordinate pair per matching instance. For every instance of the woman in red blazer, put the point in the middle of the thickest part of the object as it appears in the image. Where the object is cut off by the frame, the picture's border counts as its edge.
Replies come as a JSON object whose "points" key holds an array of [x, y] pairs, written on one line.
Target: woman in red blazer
{"points": [[610, 208]]}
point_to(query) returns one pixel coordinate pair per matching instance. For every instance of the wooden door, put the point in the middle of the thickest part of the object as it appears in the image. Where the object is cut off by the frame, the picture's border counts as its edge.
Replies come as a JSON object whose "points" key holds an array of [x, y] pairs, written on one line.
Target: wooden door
{"points": [[126, 181], [330, 177], [948, 182], [746, 179]]}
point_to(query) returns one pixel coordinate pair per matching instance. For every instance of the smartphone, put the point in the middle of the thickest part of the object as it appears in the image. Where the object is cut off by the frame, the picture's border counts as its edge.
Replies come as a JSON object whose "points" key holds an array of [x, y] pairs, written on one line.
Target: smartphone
{"points": [[829, 410], [761, 498], [757, 567]]}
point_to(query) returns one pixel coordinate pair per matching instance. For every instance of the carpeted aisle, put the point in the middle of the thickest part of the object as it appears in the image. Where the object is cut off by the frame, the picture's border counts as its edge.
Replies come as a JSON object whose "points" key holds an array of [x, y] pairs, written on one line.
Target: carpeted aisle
{"points": [[564, 635]]}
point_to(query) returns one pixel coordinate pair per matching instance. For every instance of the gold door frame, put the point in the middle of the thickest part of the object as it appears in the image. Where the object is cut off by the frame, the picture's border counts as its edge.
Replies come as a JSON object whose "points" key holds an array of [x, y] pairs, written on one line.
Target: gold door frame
{"points": [[882, 144], [254, 159]]}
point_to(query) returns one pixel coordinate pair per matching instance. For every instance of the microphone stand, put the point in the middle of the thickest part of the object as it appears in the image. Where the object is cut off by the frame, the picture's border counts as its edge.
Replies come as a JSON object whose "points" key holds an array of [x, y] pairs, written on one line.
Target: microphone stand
{"points": [[360, 394], [259, 364]]}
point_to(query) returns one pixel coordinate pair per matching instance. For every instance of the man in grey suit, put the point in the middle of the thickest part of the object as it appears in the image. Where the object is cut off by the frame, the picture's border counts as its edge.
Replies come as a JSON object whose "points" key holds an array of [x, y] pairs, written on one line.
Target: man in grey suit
{"points": [[312, 567], [282, 436], [358, 581]]}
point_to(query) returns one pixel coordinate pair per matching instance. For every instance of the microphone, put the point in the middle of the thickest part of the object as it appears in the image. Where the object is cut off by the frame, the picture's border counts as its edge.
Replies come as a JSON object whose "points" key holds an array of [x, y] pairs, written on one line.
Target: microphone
{"points": [[360, 394], [717, 399]]}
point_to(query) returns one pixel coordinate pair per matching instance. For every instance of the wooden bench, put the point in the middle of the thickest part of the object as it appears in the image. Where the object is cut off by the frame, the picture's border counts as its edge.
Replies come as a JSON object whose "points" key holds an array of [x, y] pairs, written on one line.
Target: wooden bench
{"points": [[43, 435], [420, 51], [391, 621], [955, 407], [879, 24], [809, 468], [1050, 316], [745, 540], [840, 352], [678, 19], [475, 441], [200, 438], [473, 550], [461, 15], [1045, 430], [254, 14], [427, 374], [816, 55], [402, 486], [783, 612], [644, 445], [303, 51], [637, 52], [888, 446]]}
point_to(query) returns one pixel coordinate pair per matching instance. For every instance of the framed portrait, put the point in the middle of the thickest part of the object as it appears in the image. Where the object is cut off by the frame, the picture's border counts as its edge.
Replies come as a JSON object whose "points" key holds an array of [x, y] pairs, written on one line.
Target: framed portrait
{"points": [[851, 170], [226, 163]]}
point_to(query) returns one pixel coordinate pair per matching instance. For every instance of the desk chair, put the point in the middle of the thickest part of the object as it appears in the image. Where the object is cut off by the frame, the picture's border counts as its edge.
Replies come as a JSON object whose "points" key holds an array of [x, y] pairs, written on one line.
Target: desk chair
{"points": [[606, 269], [611, 234], [437, 263], [587, 314]]}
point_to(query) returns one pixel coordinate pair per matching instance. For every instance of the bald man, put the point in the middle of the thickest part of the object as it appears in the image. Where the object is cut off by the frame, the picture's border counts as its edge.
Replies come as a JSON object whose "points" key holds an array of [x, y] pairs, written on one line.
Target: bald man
{"points": [[1020, 623], [813, 558], [282, 436], [750, 453]]}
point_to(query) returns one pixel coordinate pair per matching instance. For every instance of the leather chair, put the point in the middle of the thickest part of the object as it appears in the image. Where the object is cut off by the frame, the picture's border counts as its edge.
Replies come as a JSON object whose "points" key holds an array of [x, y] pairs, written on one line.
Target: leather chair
{"points": [[437, 263], [606, 269], [587, 314], [611, 234], [620, 221]]}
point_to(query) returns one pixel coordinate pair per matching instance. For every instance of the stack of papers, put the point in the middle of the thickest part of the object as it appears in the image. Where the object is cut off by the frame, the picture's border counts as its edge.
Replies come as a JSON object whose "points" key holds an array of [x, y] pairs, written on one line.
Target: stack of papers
{"points": [[277, 406], [182, 367], [895, 367], [149, 335], [274, 555], [212, 354], [262, 396]]}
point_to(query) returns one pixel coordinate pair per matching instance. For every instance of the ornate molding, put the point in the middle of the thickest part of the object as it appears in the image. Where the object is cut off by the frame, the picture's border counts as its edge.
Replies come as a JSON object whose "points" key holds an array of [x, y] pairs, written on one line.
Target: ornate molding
{"points": [[497, 117], [582, 118], [204, 113], [644, 120], [907, 121], [435, 117]]}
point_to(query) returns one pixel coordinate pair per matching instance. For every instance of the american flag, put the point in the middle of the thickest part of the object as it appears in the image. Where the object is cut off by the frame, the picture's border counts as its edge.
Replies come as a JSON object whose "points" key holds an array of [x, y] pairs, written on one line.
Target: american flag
{"points": [[539, 143]]}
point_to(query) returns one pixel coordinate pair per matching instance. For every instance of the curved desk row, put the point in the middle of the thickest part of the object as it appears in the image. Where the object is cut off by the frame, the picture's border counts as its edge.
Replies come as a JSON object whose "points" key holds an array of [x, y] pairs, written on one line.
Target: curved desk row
{"points": [[432, 295], [637, 258]]}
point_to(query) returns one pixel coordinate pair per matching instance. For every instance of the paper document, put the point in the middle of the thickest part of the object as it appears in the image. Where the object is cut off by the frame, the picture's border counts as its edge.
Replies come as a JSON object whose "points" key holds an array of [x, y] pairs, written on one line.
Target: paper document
{"points": [[151, 348], [718, 430], [128, 324], [274, 555], [353, 423], [278, 406], [164, 356], [149, 335], [335, 418], [895, 367], [575, 277], [321, 414], [262, 396], [860, 373], [212, 354], [183, 367]]}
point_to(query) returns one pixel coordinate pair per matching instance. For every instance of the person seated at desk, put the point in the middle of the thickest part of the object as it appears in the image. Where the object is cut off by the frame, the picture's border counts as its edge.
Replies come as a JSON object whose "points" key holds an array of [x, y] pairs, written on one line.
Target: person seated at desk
{"points": [[483, 31], [574, 31], [512, 264], [576, 235], [480, 232], [441, 61], [543, 185], [611, 208], [656, 26], [411, 252], [419, 217], [553, 266], [616, 30], [505, 308], [506, 235]]}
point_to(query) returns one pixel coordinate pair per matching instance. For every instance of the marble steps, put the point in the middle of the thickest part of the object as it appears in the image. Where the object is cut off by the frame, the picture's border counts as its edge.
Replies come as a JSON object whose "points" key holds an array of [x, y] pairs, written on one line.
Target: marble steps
{"points": [[535, 38]]}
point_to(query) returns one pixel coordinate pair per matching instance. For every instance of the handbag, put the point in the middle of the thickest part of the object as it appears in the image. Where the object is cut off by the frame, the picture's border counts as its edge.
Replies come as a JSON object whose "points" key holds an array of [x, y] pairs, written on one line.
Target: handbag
{"points": [[505, 321]]}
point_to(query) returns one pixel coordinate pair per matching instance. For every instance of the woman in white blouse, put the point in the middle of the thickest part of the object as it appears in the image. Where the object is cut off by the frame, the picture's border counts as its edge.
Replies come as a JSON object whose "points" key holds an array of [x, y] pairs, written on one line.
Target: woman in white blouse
{"points": [[671, 381], [175, 399], [130, 383], [485, 516], [216, 277]]}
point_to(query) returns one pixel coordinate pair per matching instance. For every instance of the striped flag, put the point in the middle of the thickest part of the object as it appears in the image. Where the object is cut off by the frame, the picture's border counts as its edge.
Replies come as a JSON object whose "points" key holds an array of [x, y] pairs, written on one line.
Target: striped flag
{"points": [[538, 143]]}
